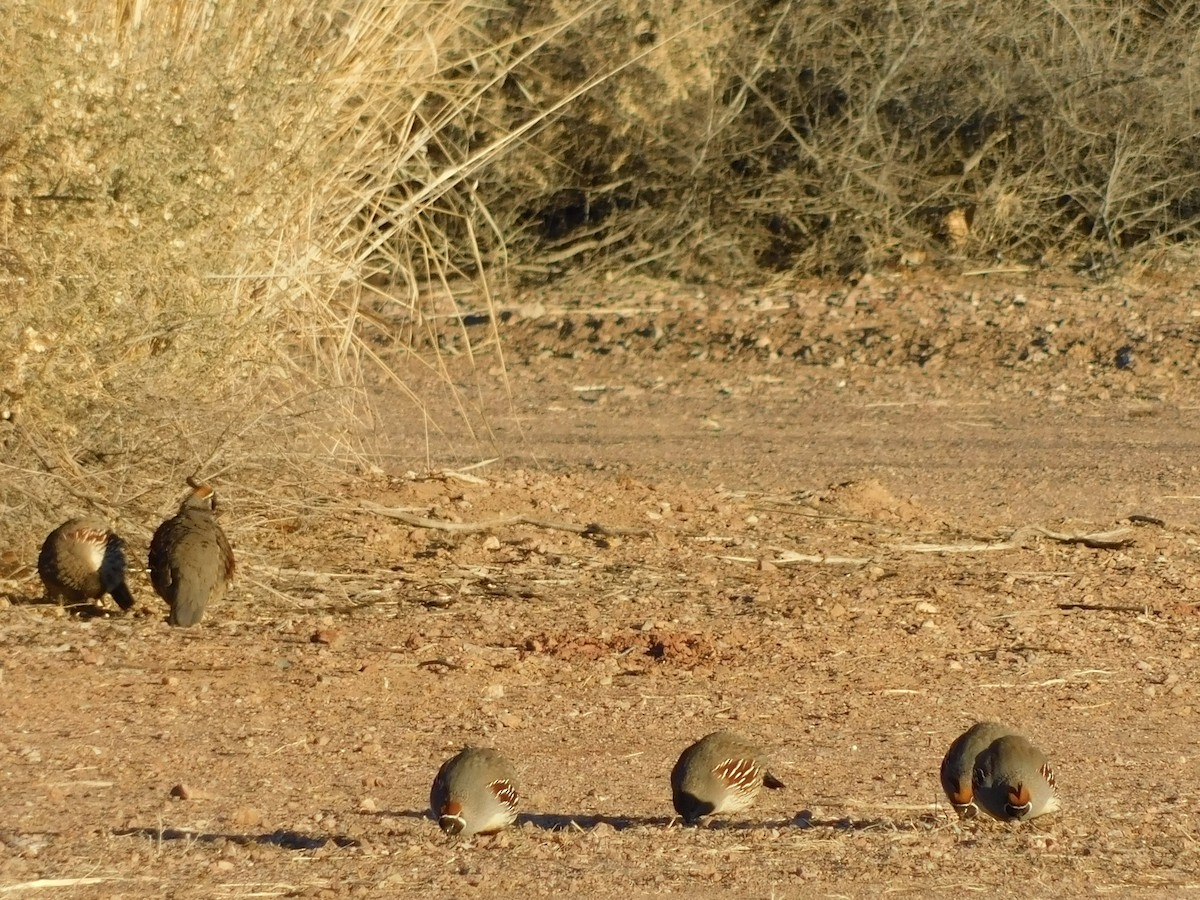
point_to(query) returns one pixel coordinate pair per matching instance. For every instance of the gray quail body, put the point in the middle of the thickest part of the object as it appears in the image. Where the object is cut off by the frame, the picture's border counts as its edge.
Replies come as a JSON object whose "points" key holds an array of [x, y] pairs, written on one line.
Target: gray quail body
{"points": [[83, 559], [1013, 780], [475, 792], [720, 773], [959, 764], [191, 562]]}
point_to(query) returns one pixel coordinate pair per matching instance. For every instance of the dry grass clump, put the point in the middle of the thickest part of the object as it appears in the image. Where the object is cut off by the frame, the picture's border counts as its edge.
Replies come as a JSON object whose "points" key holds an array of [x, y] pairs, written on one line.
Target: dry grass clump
{"points": [[179, 195]]}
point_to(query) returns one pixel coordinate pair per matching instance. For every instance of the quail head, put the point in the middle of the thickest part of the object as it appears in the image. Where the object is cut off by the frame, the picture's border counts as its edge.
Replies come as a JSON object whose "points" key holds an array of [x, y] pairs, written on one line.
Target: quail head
{"points": [[191, 562], [83, 559], [959, 764], [1013, 780], [475, 792], [720, 773]]}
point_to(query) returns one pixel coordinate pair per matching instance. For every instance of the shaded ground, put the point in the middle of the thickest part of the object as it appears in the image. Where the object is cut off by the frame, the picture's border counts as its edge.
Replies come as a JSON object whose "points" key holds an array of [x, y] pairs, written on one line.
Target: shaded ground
{"points": [[838, 560]]}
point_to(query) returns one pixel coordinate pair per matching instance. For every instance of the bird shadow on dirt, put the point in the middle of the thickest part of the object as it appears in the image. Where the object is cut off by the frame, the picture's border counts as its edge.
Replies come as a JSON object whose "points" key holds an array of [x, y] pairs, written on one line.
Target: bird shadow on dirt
{"points": [[553, 821], [84, 611], [587, 821], [283, 838]]}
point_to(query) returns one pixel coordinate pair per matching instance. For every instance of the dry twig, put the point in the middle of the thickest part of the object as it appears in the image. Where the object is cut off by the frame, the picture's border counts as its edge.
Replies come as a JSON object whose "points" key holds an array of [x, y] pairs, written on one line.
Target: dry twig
{"points": [[592, 529], [1100, 540]]}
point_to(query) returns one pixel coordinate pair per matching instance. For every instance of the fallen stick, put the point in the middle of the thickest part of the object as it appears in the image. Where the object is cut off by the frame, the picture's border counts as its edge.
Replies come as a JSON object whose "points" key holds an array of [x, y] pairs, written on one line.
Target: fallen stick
{"points": [[1100, 540], [1104, 607], [789, 558], [52, 883], [590, 529]]}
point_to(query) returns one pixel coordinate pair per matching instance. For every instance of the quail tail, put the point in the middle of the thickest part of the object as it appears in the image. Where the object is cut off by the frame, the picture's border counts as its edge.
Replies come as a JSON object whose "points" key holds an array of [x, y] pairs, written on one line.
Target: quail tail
{"points": [[188, 608], [121, 594]]}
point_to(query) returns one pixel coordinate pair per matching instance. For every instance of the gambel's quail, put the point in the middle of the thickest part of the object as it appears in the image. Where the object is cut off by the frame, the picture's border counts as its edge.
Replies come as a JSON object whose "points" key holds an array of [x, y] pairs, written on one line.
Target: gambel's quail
{"points": [[191, 562], [959, 764], [720, 773], [1013, 780], [84, 559], [475, 792]]}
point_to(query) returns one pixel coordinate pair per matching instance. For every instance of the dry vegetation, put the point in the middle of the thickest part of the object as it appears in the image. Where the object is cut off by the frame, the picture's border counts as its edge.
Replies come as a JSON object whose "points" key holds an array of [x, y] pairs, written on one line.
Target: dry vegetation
{"points": [[223, 224], [212, 215]]}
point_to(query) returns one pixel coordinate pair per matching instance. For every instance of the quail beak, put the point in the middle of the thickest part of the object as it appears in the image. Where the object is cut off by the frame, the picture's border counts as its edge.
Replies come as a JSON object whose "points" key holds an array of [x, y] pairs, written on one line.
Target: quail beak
{"points": [[451, 824], [450, 818]]}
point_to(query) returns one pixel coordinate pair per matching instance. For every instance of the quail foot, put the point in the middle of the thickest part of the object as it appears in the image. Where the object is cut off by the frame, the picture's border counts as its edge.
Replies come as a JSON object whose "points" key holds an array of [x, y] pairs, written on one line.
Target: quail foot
{"points": [[83, 559], [720, 773], [475, 792], [1013, 780], [959, 764], [191, 562]]}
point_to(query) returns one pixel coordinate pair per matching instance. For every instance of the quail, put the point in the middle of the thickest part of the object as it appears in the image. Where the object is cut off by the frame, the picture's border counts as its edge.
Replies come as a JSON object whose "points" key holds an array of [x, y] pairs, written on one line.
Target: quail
{"points": [[191, 562], [83, 559], [959, 763], [1013, 780], [475, 792], [720, 773]]}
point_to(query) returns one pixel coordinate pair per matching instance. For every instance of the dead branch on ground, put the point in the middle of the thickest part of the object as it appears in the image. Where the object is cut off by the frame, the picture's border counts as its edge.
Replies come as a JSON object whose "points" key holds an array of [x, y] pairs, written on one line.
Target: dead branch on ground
{"points": [[591, 529]]}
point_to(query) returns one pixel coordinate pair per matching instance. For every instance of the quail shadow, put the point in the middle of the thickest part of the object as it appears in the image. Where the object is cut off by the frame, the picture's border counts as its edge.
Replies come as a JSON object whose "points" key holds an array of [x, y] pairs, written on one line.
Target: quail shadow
{"points": [[283, 838], [89, 611], [805, 820], [85, 611], [398, 814], [548, 821], [587, 821], [35, 600], [924, 822], [724, 824]]}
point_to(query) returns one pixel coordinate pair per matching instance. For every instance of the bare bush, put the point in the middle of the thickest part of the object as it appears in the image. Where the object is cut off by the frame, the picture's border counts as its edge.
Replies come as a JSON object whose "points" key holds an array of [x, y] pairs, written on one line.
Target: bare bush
{"points": [[758, 137]]}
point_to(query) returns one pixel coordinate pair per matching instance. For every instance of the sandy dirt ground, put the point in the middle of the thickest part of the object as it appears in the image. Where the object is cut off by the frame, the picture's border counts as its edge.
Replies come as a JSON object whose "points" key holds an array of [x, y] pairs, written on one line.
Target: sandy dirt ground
{"points": [[846, 521]]}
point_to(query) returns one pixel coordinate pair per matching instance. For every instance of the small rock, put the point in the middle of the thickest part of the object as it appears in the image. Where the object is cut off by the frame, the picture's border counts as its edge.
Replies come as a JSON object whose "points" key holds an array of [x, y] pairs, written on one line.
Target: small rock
{"points": [[331, 637], [183, 791]]}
